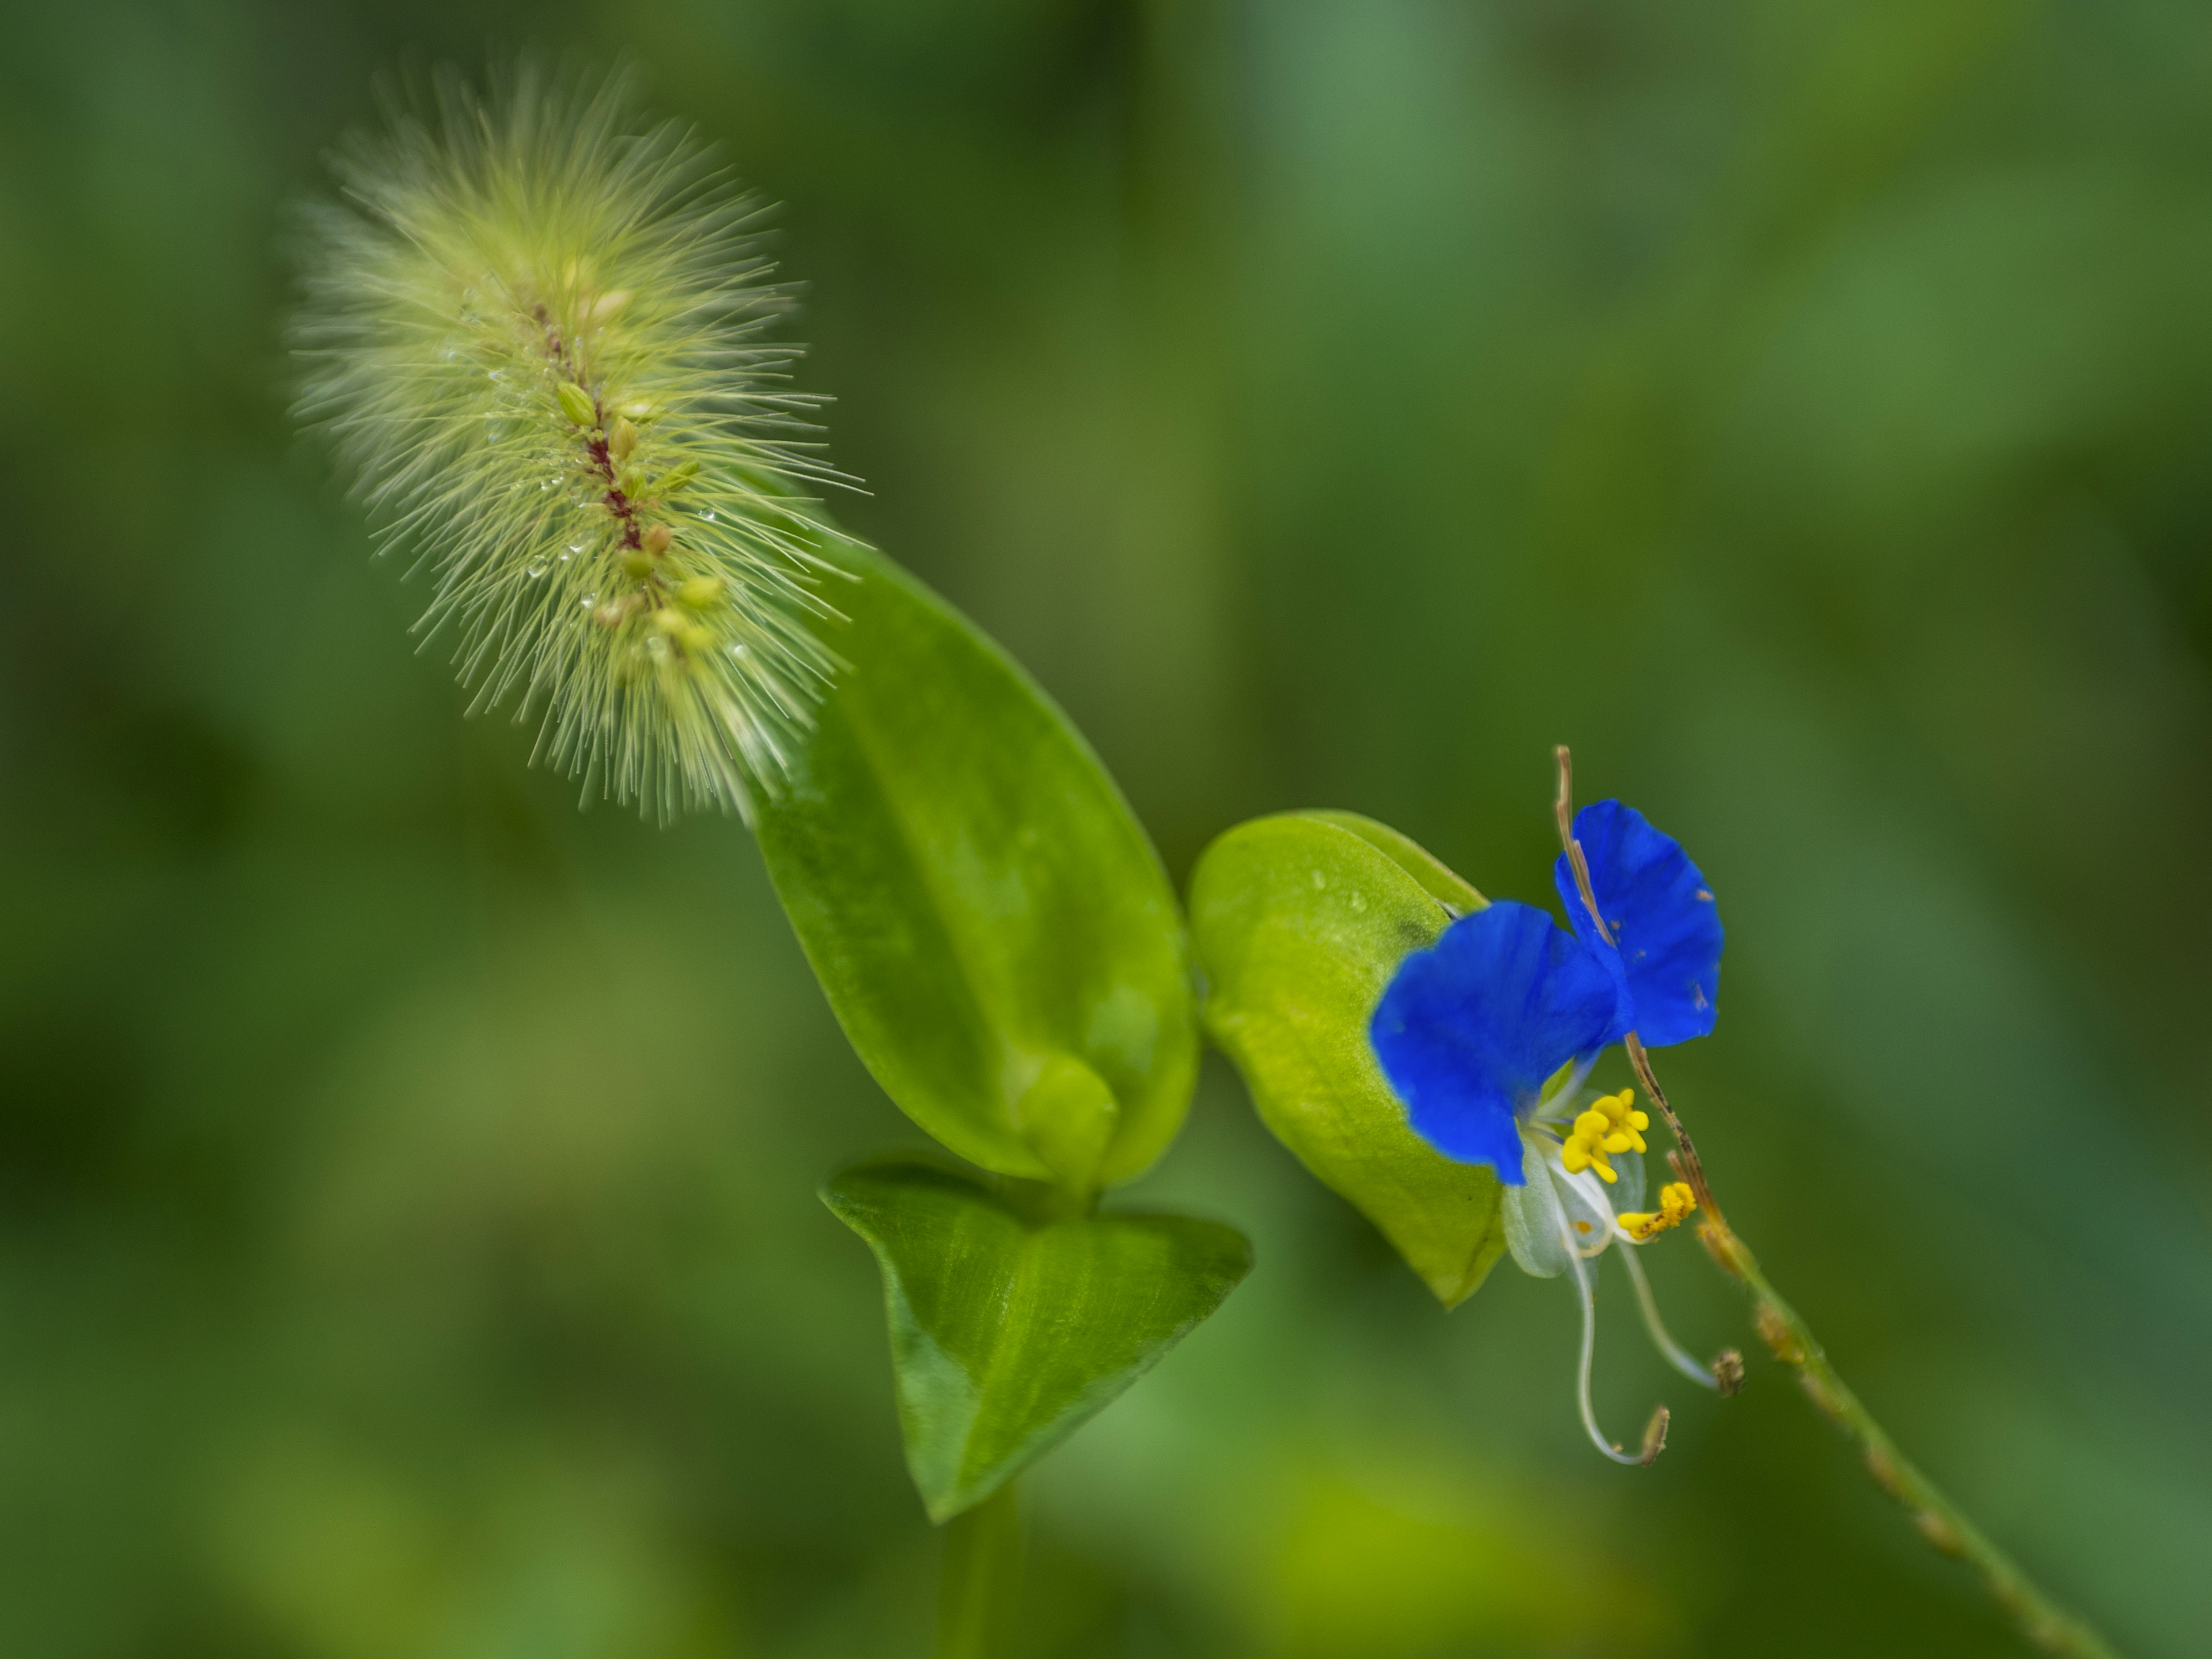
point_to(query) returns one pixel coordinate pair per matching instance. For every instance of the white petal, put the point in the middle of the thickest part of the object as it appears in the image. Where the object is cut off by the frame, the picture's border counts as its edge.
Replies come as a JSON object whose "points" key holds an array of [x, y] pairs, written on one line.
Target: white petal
{"points": [[1628, 1192], [1533, 1223]]}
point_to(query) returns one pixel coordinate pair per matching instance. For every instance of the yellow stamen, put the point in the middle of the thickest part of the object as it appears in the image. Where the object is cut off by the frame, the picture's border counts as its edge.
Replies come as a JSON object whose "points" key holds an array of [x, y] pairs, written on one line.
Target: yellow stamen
{"points": [[1611, 1125], [1676, 1203]]}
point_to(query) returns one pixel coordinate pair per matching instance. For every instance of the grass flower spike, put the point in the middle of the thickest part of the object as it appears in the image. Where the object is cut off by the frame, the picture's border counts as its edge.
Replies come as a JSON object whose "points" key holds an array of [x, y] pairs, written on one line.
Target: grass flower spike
{"points": [[534, 332]]}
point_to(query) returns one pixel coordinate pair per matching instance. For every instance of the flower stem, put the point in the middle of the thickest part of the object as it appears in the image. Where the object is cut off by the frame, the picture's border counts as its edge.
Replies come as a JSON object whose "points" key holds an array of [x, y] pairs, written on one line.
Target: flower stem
{"points": [[979, 1594], [1939, 1520]]}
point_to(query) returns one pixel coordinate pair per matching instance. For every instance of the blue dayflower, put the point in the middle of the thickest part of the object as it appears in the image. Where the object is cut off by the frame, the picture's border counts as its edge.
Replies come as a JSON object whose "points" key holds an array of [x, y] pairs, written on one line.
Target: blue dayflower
{"points": [[1666, 934], [1487, 1038], [1469, 1030]]}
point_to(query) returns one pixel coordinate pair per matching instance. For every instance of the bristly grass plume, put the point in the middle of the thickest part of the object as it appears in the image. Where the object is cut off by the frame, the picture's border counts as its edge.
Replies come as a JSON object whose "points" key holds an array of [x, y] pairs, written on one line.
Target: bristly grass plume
{"points": [[533, 330]]}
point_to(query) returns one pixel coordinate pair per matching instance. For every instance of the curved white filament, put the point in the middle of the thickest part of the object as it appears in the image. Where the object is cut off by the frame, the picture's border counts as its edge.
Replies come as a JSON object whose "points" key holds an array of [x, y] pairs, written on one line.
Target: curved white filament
{"points": [[1587, 1288], [1676, 1355]]}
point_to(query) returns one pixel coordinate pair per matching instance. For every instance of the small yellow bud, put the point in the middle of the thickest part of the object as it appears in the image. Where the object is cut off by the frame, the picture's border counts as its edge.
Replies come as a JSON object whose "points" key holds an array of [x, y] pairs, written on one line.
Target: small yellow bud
{"points": [[656, 539], [576, 404], [636, 562], [622, 438], [610, 303], [698, 639], [610, 614], [701, 592], [667, 620]]}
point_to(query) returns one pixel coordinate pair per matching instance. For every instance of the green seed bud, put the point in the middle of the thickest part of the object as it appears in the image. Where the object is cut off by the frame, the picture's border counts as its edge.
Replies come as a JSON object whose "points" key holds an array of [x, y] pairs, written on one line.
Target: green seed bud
{"points": [[576, 404], [677, 477], [702, 592], [656, 539], [665, 621], [631, 482], [639, 409], [636, 562], [698, 641], [622, 438]]}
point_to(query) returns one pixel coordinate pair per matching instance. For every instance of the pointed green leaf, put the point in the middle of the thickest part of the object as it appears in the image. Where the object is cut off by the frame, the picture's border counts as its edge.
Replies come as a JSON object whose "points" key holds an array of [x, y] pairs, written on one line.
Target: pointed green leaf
{"points": [[991, 924], [1008, 1331], [1300, 921]]}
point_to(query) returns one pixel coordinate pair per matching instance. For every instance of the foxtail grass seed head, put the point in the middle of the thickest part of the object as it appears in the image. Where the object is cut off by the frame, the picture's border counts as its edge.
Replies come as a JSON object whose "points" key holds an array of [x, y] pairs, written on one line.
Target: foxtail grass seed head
{"points": [[533, 330]]}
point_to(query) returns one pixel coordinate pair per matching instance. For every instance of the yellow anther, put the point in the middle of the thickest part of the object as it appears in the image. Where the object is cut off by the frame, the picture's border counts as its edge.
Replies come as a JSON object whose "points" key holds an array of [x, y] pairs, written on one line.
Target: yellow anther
{"points": [[1627, 1122], [1579, 1153], [1611, 1125], [1676, 1202]]}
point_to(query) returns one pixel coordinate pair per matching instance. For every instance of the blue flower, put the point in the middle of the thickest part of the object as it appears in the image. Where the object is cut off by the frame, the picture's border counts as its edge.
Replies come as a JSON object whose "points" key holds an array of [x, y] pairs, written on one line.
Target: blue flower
{"points": [[1665, 948], [1487, 1035], [1469, 1030]]}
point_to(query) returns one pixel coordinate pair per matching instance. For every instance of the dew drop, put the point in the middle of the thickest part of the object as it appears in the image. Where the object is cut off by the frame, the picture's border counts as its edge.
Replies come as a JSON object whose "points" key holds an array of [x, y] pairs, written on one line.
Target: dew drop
{"points": [[536, 569]]}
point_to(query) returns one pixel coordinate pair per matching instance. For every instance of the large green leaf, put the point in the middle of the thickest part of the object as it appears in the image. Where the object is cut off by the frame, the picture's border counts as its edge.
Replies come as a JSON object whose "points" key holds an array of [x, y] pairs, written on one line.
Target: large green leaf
{"points": [[1300, 921], [1009, 1329], [991, 924]]}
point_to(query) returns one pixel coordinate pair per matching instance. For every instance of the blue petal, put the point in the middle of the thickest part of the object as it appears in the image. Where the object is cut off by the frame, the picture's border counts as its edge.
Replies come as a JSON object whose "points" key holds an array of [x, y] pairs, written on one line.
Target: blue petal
{"points": [[1664, 916], [1468, 1029]]}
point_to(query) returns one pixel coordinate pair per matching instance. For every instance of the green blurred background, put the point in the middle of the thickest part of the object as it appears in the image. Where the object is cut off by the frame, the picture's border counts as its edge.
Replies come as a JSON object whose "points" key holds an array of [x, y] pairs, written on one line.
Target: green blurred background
{"points": [[408, 1244]]}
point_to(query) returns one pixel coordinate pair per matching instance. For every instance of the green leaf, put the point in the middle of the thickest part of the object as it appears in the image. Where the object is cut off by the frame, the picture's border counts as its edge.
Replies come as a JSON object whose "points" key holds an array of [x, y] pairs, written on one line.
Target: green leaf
{"points": [[1300, 921], [1009, 1329], [1438, 879], [992, 927]]}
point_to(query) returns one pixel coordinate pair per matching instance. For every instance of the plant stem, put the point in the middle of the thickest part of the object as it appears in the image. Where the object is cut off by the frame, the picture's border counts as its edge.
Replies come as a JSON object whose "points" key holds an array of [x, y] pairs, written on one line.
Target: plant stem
{"points": [[979, 1594], [2042, 1620]]}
